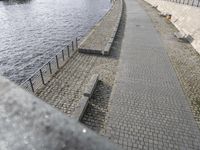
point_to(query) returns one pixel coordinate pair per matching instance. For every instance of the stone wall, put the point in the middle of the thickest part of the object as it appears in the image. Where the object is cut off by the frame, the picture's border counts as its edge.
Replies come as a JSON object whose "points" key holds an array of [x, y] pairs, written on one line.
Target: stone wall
{"points": [[186, 18]]}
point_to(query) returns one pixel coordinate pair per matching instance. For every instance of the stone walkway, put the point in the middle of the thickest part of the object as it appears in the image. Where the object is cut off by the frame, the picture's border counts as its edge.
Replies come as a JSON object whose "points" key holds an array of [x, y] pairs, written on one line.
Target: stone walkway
{"points": [[148, 109], [184, 58]]}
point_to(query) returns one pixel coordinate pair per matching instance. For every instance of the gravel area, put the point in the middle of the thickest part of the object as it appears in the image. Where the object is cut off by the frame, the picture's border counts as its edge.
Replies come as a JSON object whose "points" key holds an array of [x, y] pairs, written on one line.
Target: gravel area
{"points": [[183, 57], [66, 88]]}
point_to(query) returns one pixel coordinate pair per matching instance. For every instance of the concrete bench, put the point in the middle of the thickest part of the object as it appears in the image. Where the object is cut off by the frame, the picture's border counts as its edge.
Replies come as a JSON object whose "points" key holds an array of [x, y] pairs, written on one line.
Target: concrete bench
{"points": [[82, 105]]}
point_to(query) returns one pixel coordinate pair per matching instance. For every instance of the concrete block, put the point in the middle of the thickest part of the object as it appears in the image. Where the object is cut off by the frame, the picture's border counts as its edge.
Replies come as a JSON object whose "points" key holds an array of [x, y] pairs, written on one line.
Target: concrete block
{"points": [[91, 86], [89, 51], [80, 108]]}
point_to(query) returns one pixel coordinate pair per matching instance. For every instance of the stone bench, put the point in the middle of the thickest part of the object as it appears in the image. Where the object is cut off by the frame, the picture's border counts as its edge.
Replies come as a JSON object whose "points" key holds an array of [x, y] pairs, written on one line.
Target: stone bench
{"points": [[83, 103]]}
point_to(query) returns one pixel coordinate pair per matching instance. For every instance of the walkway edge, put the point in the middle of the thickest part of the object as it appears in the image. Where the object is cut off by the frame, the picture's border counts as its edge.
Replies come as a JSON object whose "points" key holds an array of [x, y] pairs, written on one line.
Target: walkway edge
{"points": [[106, 48]]}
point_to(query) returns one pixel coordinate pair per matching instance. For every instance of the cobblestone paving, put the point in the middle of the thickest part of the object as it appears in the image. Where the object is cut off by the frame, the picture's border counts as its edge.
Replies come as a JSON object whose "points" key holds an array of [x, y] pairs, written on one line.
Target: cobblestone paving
{"points": [[66, 88], [95, 116], [184, 59], [102, 33], [147, 107]]}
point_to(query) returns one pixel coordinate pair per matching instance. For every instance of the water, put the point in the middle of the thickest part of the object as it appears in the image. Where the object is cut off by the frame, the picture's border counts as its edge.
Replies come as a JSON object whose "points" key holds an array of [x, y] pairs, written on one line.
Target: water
{"points": [[33, 31]]}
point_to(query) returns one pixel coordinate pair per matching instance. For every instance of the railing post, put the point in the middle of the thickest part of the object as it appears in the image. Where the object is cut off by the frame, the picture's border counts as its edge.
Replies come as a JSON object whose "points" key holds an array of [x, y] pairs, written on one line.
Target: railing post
{"points": [[31, 83], [76, 43], [57, 62], [50, 70], [188, 2], [41, 74], [72, 46], [68, 51], [63, 55], [198, 3]]}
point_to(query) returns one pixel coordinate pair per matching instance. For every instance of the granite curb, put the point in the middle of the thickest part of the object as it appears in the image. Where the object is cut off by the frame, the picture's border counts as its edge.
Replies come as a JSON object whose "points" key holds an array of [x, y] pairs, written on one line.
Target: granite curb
{"points": [[83, 103]]}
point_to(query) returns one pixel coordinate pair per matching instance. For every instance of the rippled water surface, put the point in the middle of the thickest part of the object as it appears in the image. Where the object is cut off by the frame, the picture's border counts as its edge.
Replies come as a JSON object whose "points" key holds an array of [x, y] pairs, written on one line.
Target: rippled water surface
{"points": [[33, 31]]}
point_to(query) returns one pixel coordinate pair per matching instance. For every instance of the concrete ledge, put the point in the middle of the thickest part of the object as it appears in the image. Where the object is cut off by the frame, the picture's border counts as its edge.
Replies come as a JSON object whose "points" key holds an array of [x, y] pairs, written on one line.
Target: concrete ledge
{"points": [[91, 86], [106, 51], [90, 51], [100, 39], [82, 105], [80, 109]]}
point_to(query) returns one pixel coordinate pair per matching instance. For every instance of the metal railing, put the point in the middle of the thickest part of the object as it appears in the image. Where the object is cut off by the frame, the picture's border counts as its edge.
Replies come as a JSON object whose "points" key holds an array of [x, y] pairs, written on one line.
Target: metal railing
{"points": [[187, 2], [43, 75]]}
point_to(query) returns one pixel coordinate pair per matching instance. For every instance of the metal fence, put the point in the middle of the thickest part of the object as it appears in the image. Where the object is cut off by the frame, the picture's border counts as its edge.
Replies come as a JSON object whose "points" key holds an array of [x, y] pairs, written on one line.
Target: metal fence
{"points": [[187, 2], [45, 73]]}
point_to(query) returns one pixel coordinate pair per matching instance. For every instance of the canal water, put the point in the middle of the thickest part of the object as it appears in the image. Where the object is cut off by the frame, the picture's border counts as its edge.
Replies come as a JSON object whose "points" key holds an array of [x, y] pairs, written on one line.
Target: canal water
{"points": [[32, 31]]}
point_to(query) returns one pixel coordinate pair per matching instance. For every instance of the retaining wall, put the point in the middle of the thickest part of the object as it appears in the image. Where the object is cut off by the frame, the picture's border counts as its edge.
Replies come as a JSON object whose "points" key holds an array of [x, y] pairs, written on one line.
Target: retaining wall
{"points": [[27, 123], [186, 18]]}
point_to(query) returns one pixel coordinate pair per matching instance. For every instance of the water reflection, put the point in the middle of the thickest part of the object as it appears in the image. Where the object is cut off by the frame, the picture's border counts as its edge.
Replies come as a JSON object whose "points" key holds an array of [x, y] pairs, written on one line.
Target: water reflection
{"points": [[14, 2], [32, 33]]}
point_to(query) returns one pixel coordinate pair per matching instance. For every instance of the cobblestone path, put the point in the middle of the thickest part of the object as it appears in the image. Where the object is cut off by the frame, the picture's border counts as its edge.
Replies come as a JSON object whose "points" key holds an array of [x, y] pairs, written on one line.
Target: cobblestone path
{"points": [[66, 88], [148, 109], [183, 57]]}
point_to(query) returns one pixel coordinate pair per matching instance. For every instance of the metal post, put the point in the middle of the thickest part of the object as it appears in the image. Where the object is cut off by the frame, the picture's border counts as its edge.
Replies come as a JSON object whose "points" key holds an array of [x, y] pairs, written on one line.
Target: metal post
{"points": [[57, 62], [63, 55], [72, 45], [76, 42], [32, 88], [50, 67], [198, 3], [188, 2], [42, 76], [68, 51]]}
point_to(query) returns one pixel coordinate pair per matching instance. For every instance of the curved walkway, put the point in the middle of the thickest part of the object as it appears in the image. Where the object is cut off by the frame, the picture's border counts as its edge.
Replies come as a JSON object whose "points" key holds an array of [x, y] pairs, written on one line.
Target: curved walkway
{"points": [[148, 109]]}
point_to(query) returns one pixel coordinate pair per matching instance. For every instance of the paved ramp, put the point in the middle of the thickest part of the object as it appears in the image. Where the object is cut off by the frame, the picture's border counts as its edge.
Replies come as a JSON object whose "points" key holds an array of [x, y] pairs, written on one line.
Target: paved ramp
{"points": [[148, 109]]}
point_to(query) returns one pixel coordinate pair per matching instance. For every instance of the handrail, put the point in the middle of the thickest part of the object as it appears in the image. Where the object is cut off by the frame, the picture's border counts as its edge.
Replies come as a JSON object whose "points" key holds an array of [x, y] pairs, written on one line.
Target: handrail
{"points": [[52, 66], [186, 2]]}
